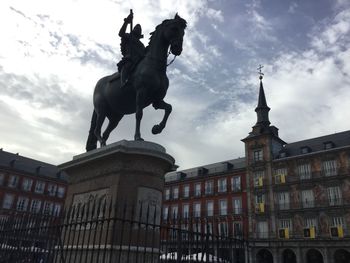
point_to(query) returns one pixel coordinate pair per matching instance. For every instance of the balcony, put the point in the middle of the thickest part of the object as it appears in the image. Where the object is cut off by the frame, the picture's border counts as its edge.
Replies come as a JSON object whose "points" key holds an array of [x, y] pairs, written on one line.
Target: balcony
{"points": [[312, 204]]}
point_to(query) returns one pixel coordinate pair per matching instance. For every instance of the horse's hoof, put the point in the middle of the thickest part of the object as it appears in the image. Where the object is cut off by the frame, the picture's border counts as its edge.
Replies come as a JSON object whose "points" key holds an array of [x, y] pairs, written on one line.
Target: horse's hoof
{"points": [[156, 129]]}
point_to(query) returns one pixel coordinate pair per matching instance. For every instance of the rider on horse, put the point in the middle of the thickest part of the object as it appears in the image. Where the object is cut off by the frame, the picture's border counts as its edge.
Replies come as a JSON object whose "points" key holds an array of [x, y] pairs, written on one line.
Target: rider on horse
{"points": [[131, 48]]}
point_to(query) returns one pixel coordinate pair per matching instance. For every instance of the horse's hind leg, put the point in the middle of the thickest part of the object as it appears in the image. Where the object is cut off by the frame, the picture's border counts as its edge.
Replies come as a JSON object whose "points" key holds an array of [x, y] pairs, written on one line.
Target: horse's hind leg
{"points": [[140, 98], [99, 121], [167, 110], [113, 122]]}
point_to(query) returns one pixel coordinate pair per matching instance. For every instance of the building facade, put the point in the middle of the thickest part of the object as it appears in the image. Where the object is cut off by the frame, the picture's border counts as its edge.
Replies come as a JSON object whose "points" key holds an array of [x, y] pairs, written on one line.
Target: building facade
{"points": [[210, 200], [298, 195], [295, 197], [28, 185]]}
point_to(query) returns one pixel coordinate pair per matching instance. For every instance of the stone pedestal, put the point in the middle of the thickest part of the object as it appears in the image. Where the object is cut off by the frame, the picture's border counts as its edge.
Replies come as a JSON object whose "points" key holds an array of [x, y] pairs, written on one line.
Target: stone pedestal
{"points": [[127, 176]]}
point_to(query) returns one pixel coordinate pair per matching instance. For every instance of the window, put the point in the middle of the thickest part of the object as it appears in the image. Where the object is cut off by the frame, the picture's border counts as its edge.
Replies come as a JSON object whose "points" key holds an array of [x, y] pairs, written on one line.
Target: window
{"points": [[47, 209], [283, 200], [52, 189], [305, 149], [263, 231], [186, 191], [328, 145], [35, 206], [310, 222], [209, 187], [259, 198], [8, 201], [13, 181], [167, 193], [258, 155], [237, 206], [197, 189], [185, 210], [208, 229], [280, 175], [56, 209], [2, 178], [285, 223], [174, 211], [61, 191], [329, 168], [22, 203], [304, 171], [165, 212], [210, 208], [338, 221], [237, 229], [307, 197], [197, 209], [223, 229], [175, 192], [236, 183], [27, 184], [334, 195], [222, 185], [223, 207], [259, 178], [39, 187]]}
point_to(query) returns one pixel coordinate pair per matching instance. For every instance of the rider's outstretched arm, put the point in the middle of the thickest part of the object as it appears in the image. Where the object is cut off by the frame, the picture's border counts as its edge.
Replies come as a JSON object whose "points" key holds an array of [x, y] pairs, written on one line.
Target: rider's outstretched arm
{"points": [[126, 22]]}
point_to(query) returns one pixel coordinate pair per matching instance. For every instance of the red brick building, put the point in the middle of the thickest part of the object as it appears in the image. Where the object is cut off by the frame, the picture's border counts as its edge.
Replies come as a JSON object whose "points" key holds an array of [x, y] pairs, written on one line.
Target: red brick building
{"points": [[29, 185], [213, 195]]}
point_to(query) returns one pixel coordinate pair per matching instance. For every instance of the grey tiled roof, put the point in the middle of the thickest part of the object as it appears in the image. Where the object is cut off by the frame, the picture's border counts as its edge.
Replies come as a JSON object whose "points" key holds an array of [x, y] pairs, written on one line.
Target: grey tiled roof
{"points": [[340, 139], [16, 162], [213, 168]]}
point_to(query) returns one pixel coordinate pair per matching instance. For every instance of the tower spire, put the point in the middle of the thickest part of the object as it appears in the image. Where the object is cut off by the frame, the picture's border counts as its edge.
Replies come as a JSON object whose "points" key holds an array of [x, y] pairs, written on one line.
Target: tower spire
{"points": [[262, 110]]}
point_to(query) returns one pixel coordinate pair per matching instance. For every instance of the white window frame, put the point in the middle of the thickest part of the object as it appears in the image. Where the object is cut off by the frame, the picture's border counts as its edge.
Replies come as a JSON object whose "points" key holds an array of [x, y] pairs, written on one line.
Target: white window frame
{"points": [[304, 171], [185, 210], [186, 191], [210, 208], [175, 192], [329, 167], [7, 202], [27, 184], [223, 229], [257, 175], [174, 212], [13, 181], [209, 187], [222, 185], [236, 184], [197, 189], [334, 195], [35, 206], [61, 190], [308, 198], [258, 155], [223, 207], [237, 205], [22, 203], [39, 187], [167, 194], [165, 212], [262, 229], [283, 199], [196, 209]]}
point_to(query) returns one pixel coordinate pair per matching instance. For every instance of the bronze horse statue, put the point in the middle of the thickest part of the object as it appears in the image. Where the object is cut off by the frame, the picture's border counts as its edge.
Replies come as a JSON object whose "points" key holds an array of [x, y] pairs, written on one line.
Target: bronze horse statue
{"points": [[147, 85]]}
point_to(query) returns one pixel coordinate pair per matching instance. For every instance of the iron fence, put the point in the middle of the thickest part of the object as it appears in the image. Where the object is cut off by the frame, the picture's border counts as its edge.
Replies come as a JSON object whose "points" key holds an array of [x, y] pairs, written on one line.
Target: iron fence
{"points": [[105, 232]]}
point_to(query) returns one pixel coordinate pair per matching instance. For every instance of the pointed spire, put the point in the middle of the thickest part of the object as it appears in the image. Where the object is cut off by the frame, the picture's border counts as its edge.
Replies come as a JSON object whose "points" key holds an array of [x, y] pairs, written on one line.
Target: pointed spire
{"points": [[262, 109]]}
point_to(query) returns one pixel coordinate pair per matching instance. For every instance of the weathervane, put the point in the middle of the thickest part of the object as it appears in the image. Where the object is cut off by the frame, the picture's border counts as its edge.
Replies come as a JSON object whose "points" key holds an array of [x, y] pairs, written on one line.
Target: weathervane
{"points": [[260, 72]]}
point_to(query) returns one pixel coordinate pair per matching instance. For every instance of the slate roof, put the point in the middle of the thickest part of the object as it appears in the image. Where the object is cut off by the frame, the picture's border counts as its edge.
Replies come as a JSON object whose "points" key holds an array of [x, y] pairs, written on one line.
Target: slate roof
{"points": [[340, 139], [210, 169], [16, 162]]}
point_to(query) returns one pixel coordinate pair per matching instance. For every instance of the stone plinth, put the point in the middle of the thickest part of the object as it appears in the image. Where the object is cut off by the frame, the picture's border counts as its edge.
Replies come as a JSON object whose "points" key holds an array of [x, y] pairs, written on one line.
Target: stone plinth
{"points": [[129, 175]]}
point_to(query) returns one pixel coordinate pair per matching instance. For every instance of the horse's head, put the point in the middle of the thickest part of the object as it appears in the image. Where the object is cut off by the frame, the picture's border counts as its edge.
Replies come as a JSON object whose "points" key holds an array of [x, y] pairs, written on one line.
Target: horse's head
{"points": [[174, 32]]}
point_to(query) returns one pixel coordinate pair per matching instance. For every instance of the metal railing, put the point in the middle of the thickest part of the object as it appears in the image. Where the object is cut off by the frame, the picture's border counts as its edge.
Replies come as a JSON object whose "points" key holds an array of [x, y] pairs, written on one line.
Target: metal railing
{"points": [[103, 232]]}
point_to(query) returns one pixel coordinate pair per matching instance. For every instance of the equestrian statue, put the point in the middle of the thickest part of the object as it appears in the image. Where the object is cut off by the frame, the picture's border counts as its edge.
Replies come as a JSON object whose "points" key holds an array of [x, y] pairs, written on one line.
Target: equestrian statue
{"points": [[141, 79]]}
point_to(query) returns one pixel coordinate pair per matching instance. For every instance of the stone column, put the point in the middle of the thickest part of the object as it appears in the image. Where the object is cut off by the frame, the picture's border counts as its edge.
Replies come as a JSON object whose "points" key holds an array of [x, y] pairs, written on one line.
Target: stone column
{"points": [[127, 176]]}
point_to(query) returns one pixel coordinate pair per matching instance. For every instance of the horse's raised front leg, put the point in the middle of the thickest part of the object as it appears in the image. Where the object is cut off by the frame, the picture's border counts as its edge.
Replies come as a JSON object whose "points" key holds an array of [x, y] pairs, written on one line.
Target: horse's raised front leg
{"points": [[99, 121], [167, 110], [140, 97]]}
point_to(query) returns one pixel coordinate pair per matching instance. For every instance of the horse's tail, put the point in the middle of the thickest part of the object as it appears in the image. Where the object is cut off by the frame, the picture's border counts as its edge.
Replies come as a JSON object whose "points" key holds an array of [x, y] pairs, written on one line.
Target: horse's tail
{"points": [[91, 143]]}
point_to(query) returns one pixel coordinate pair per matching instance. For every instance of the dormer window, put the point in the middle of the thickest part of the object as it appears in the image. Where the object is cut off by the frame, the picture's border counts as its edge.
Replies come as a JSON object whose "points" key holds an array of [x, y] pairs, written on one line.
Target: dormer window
{"points": [[202, 171], [283, 154], [328, 145], [305, 149], [181, 175]]}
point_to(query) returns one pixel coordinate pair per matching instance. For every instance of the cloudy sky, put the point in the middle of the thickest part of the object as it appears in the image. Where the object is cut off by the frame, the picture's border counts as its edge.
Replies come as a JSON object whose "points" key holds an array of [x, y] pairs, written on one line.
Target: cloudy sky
{"points": [[53, 52]]}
